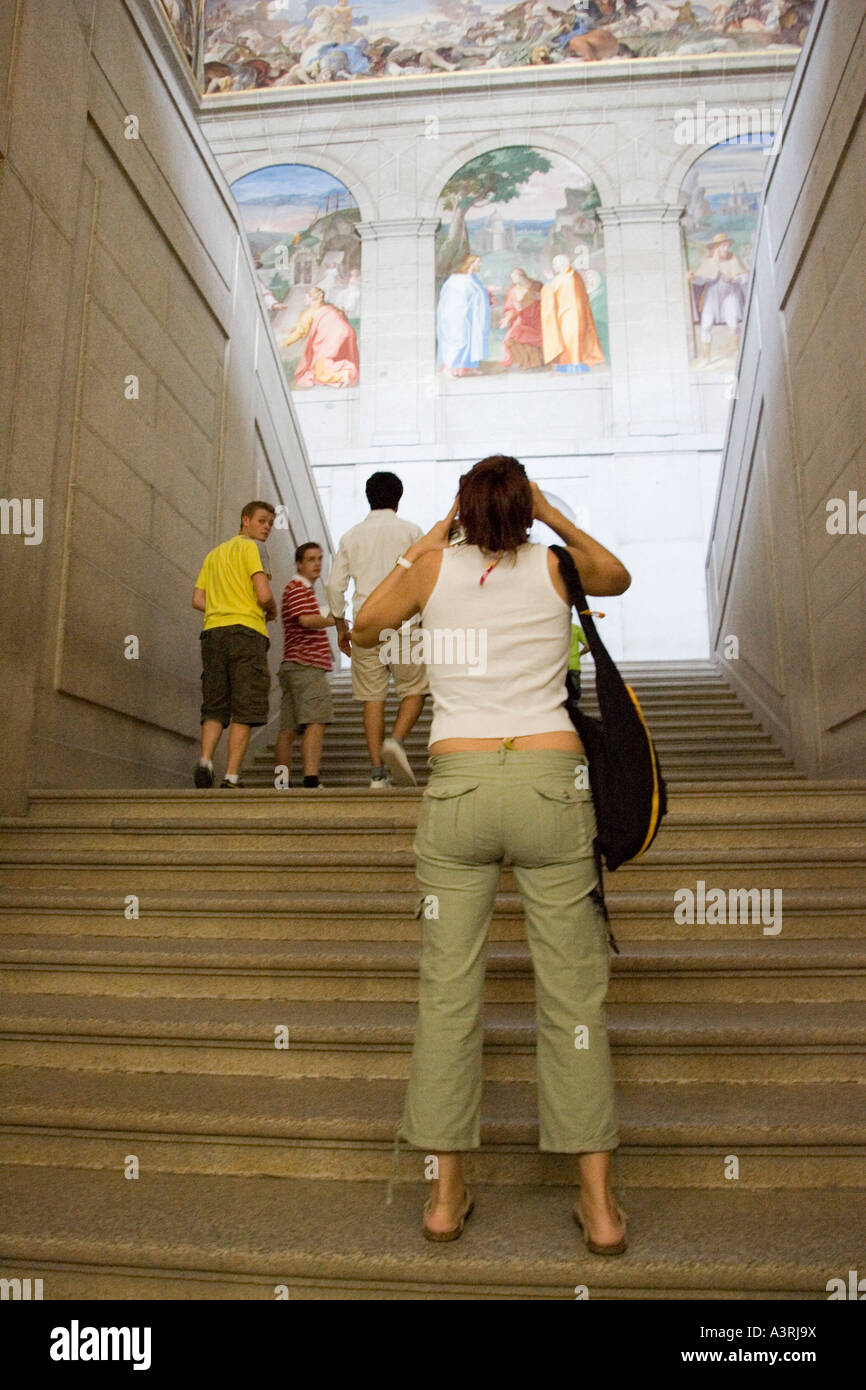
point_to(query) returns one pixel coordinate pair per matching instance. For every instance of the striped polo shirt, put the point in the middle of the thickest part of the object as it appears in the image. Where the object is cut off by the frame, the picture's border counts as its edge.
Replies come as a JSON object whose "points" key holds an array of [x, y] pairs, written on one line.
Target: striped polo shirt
{"points": [[309, 646]]}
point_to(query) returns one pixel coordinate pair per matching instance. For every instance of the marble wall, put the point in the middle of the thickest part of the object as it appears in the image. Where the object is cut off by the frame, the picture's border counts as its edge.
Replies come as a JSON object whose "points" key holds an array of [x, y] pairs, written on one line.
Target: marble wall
{"points": [[787, 563], [635, 448], [142, 402]]}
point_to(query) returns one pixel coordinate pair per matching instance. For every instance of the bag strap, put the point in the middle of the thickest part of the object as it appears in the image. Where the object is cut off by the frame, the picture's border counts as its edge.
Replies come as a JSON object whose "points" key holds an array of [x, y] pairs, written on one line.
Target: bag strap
{"points": [[574, 585]]}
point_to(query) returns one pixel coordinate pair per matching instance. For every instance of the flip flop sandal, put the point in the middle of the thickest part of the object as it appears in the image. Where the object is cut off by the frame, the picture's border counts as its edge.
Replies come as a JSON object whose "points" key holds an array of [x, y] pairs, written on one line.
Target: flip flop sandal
{"points": [[457, 1231], [618, 1248]]}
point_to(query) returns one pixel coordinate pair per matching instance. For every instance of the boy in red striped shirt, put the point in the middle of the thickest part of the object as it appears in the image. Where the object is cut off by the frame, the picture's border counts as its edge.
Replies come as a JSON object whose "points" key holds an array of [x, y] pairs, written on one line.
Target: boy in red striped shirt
{"points": [[307, 705]]}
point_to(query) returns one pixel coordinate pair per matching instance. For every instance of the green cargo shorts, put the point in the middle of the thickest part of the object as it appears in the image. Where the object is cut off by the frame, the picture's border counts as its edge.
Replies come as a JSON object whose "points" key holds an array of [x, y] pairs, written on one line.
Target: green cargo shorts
{"points": [[531, 806]]}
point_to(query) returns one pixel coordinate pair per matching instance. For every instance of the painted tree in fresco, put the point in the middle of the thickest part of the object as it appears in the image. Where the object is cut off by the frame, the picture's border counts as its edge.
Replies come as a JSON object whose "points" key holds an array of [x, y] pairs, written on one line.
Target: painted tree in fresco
{"points": [[495, 177]]}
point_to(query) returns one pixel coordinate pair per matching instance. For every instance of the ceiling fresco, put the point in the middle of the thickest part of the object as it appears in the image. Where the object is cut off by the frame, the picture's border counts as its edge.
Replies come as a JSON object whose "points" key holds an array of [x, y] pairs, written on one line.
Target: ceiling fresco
{"points": [[235, 45]]}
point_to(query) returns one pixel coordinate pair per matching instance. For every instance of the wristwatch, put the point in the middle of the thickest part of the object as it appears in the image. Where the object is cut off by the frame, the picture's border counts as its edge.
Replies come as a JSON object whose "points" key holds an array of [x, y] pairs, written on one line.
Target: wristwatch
{"points": [[401, 560]]}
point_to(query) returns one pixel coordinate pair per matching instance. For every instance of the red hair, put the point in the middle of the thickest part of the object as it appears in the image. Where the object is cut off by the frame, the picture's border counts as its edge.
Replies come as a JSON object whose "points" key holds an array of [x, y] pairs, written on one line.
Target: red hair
{"points": [[495, 503]]}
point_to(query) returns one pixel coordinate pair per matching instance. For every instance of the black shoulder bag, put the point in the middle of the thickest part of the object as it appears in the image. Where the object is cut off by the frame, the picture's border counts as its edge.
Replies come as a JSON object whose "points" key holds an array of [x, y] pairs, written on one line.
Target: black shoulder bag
{"points": [[627, 787]]}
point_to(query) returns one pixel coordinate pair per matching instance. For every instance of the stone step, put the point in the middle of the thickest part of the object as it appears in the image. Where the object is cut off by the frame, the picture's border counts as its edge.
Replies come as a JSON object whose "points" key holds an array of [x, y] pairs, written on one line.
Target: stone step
{"points": [[800, 1134], [74, 1053], [349, 804], [341, 771], [689, 688], [211, 850], [363, 1023], [715, 735], [681, 959], [355, 811], [735, 972], [357, 778], [709, 726], [682, 704], [300, 833], [344, 774], [335, 915], [314, 873], [676, 753], [93, 1234], [696, 688]]}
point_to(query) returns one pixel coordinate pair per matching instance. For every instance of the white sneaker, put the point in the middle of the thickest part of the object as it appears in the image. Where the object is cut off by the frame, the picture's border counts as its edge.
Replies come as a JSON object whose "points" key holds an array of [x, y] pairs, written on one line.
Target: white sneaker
{"points": [[377, 783], [394, 758]]}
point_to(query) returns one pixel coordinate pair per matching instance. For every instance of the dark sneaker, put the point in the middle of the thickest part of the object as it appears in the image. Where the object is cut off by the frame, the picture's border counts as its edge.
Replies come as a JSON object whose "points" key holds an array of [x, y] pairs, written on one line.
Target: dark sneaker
{"points": [[203, 776], [230, 785]]}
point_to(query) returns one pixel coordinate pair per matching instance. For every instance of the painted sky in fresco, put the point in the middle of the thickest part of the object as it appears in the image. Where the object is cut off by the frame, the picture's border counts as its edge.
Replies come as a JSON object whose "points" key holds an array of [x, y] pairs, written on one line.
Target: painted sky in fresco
{"points": [[300, 43]]}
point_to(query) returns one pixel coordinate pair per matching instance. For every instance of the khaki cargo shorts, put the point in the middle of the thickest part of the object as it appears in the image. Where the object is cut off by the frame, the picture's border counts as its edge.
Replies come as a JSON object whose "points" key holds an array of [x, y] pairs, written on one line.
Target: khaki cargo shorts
{"points": [[370, 675], [307, 696]]}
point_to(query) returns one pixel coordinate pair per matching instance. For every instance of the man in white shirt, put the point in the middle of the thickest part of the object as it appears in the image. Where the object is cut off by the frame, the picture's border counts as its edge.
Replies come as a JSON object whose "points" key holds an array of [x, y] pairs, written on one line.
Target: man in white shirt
{"points": [[366, 554]]}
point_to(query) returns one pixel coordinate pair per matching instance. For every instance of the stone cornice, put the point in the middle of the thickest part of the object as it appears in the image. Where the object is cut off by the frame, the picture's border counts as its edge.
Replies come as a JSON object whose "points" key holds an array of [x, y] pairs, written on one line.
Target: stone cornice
{"points": [[627, 75], [639, 212], [385, 227]]}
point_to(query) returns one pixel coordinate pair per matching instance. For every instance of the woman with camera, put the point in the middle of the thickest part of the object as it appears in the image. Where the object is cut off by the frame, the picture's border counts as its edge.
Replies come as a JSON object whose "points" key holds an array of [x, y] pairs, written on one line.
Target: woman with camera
{"points": [[508, 780]]}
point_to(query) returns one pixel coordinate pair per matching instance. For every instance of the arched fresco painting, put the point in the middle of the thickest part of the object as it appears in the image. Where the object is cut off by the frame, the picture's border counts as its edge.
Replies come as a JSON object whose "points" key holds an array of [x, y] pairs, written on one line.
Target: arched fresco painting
{"points": [[301, 224], [722, 194], [520, 273], [235, 45]]}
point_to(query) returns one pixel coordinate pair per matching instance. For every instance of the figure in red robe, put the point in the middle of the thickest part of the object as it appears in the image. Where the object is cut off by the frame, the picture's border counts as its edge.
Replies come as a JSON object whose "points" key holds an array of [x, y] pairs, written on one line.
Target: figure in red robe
{"points": [[522, 317], [330, 356]]}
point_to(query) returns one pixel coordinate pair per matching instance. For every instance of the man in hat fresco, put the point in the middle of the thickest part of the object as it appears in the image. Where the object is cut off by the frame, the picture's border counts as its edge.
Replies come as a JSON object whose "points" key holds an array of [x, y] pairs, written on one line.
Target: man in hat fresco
{"points": [[719, 293]]}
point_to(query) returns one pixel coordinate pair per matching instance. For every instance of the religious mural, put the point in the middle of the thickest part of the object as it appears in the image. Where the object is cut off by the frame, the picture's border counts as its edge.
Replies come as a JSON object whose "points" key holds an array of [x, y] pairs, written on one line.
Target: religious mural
{"points": [[301, 225], [722, 193], [520, 274], [233, 45]]}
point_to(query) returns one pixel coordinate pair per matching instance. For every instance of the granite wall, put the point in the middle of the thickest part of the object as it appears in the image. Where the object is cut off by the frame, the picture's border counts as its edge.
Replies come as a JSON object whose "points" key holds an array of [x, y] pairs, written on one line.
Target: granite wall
{"points": [[786, 571], [141, 399]]}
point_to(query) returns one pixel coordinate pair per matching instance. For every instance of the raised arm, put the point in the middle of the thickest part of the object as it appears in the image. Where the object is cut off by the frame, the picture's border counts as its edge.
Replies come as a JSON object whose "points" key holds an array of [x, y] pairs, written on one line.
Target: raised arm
{"points": [[600, 571], [403, 592]]}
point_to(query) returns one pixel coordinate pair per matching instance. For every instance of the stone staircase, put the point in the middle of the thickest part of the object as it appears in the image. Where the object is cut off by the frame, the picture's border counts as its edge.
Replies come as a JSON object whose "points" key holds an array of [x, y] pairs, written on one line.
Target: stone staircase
{"points": [[150, 1039], [700, 726]]}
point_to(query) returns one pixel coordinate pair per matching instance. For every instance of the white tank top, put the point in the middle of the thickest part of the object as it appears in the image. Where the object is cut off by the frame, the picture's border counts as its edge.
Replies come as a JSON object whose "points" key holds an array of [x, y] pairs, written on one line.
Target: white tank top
{"points": [[496, 652]]}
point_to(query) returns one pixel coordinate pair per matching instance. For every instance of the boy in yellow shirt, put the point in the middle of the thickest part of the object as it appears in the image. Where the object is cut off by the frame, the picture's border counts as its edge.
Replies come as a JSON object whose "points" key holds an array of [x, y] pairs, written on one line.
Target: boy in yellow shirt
{"points": [[233, 592]]}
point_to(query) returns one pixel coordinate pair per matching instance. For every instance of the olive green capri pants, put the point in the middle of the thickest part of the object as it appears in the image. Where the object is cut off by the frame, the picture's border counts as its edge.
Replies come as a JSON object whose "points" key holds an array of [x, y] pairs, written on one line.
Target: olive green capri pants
{"points": [[531, 806]]}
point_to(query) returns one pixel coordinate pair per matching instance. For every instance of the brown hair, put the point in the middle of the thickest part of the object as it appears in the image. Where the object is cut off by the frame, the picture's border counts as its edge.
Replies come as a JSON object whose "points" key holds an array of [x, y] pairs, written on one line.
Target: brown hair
{"points": [[252, 507], [495, 503], [463, 267], [303, 548]]}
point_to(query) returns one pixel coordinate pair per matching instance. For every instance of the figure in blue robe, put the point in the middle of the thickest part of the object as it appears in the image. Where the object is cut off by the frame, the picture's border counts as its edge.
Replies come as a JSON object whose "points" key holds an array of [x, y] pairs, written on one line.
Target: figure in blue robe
{"points": [[463, 319]]}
